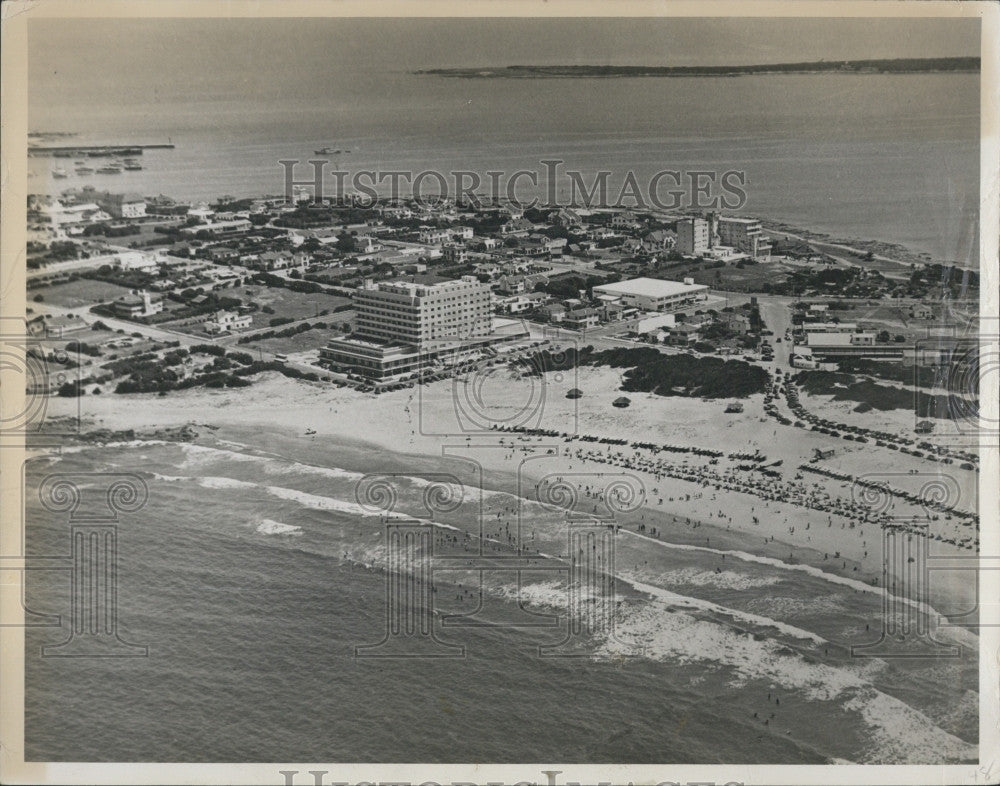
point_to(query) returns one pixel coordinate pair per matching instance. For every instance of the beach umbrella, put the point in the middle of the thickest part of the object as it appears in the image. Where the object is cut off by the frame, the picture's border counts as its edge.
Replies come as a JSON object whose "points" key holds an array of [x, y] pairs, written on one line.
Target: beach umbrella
{"points": [[574, 393], [622, 402]]}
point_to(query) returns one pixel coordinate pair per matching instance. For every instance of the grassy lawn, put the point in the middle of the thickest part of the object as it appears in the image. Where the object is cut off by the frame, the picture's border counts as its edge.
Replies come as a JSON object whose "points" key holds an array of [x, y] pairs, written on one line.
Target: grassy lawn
{"points": [[79, 293], [146, 233], [288, 304], [310, 339], [94, 337], [750, 278]]}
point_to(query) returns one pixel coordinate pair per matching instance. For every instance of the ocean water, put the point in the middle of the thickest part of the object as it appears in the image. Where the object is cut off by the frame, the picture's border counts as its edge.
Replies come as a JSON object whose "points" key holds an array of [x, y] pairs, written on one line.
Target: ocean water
{"points": [[892, 158], [251, 575]]}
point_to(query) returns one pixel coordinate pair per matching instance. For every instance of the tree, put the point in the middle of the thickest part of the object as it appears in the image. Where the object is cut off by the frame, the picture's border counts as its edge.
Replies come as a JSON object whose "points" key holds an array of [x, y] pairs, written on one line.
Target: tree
{"points": [[70, 389], [883, 337]]}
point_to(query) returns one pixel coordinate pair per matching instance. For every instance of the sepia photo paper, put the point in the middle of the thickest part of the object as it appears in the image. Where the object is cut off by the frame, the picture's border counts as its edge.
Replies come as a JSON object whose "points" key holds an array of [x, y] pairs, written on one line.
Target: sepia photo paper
{"points": [[499, 393]]}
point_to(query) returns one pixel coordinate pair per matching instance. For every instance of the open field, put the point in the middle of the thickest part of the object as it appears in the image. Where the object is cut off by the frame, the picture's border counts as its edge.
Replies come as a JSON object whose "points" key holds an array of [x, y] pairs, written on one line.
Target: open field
{"points": [[749, 278], [286, 303], [288, 345], [80, 293]]}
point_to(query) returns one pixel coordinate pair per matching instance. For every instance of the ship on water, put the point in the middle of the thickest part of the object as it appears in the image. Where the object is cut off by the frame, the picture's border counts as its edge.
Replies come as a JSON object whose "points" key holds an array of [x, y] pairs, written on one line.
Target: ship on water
{"points": [[132, 164], [59, 173], [113, 168]]}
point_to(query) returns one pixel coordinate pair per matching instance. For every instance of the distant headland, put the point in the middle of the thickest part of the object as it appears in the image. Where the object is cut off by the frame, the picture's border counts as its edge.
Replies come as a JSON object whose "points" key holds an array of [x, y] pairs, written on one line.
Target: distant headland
{"points": [[922, 65]]}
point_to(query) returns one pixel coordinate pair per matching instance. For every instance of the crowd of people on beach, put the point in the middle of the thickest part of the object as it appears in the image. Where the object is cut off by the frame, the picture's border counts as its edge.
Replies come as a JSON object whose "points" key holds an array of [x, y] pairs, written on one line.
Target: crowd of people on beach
{"points": [[751, 473]]}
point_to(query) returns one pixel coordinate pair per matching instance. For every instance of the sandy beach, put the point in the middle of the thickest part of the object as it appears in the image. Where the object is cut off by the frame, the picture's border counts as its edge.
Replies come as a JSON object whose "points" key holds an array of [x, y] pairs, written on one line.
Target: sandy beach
{"points": [[453, 418]]}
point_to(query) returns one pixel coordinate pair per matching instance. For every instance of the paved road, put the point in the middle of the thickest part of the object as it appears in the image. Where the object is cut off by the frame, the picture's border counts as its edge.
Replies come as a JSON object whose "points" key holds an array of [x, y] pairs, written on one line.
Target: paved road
{"points": [[71, 265], [848, 256], [164, 335], [777, 315], [149, 331]]}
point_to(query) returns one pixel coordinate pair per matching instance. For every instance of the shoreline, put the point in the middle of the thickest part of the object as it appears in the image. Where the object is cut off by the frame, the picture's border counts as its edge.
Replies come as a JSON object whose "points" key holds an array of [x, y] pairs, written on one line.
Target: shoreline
{"points": [[891, 251], [686, 514]]}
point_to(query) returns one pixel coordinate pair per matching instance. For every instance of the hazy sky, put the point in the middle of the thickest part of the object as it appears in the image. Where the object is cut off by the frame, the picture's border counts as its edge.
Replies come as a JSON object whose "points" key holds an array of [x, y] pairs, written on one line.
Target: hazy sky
{"points": [[87, 62]]}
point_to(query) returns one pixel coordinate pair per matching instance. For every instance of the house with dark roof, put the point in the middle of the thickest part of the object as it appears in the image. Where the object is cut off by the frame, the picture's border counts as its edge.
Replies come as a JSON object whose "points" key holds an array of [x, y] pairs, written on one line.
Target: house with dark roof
{"points": [[517, 227], [659, 240], [566, 218]]}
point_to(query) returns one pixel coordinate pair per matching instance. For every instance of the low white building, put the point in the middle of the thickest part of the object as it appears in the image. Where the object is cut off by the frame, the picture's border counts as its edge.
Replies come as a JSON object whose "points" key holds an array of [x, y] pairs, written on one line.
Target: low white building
{"points": [[434, 236], [365, 244], [227, 321], [830, 327], [138, 304], [220, 227], [652, 294], [136, 260], [836, 346], [826, 340], [201, 211], [601, 233], [724, 254], [626, 220], [653, 322], [270, 261], [518, 304]]}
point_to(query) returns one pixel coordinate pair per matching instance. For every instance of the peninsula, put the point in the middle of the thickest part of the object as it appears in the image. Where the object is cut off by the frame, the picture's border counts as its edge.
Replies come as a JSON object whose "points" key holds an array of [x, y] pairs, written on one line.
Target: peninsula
{"points": [[923, 65]]}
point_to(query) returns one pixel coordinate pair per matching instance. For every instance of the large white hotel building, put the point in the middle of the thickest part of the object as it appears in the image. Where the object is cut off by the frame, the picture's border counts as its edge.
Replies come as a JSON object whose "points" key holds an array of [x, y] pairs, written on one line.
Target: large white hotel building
{"points": [[402, 327]]}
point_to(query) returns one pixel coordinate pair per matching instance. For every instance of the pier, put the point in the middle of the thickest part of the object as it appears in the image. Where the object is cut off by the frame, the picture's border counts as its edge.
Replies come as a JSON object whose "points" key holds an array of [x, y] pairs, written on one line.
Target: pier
{"points": [[95, 151]]}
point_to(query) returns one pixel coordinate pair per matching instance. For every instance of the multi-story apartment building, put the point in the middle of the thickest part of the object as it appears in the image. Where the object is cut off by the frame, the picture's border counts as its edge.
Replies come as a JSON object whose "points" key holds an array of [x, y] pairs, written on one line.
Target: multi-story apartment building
{"points": [[692, 236], [743, 234], [122, 205]]}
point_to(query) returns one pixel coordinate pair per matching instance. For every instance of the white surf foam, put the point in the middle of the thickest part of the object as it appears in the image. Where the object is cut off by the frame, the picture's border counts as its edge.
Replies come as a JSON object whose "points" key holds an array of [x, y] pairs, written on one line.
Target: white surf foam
{"points": [[899, 733], [672, 598], [271, 527], [957, 635], [903, 735], [726, 579]]}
